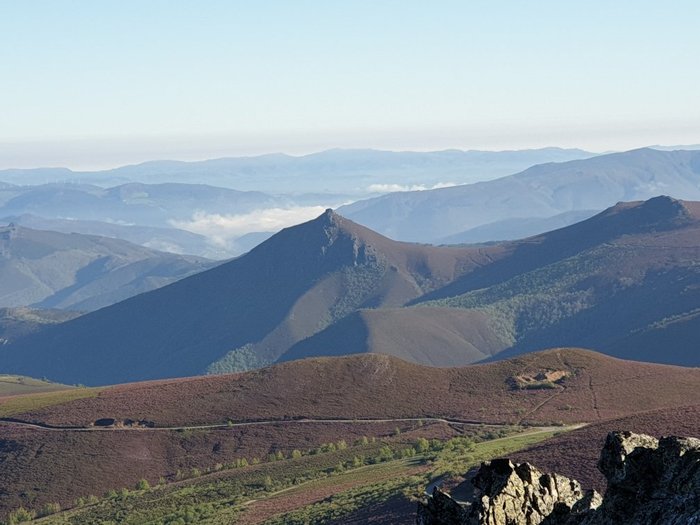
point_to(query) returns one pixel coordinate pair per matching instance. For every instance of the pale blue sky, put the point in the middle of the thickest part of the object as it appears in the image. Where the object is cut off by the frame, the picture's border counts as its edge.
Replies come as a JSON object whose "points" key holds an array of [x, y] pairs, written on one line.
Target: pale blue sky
{"points": [[97, 83]]}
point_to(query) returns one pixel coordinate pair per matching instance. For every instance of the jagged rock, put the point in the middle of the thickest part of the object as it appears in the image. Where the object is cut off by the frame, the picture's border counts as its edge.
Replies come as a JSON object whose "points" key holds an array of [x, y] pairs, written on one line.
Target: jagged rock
{"points": [[511, 494], [618, 446], [521, 494], [650, 482]]}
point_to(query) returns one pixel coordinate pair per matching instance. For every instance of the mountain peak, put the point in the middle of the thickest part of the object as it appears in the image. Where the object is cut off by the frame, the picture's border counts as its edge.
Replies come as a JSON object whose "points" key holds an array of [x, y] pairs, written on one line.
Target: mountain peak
{"points": [[329, 240], [329, 216], [333, 224], [657, 210], [665, 206]]}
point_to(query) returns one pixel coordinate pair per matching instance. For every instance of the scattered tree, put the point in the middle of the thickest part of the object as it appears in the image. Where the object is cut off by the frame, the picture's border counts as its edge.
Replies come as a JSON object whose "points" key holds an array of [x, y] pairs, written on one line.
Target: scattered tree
{"points": [[422, 445], [47, 509], [20, 515], [143, 484]]}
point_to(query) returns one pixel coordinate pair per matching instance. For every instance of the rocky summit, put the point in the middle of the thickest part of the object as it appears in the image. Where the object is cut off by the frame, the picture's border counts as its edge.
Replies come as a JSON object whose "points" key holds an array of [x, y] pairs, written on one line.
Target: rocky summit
{"points": [[650, 481]]}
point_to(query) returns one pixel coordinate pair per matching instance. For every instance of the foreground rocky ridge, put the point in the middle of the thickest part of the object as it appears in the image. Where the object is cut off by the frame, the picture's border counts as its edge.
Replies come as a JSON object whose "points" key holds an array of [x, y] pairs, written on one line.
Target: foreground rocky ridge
{"points": [[650, 481]]}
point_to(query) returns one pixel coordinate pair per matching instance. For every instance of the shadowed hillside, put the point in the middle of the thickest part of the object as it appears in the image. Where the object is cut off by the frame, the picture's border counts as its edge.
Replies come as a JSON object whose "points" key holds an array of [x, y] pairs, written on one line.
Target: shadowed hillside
{"points": [[18, 322], [48, 269], [611, 282], [247, 312], [624, 282]]}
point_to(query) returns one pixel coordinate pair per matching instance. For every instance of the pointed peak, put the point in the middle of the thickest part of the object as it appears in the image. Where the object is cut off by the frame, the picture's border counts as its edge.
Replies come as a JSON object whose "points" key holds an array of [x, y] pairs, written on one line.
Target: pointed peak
{"points": [[330, 218], [326, 229]]}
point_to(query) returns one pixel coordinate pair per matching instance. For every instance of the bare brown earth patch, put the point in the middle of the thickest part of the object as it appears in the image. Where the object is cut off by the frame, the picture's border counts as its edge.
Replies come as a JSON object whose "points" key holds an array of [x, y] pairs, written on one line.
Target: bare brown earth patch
{"points": [[539, 379]]}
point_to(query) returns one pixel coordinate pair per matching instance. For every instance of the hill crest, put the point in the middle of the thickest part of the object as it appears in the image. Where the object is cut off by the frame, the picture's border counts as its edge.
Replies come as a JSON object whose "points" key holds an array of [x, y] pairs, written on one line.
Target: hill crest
{"points": [[381, 386]]}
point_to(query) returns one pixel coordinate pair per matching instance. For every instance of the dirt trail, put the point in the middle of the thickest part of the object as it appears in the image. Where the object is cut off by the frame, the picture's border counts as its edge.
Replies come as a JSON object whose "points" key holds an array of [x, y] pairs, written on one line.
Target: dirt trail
{"points": [[594, 396], [54, 428]]}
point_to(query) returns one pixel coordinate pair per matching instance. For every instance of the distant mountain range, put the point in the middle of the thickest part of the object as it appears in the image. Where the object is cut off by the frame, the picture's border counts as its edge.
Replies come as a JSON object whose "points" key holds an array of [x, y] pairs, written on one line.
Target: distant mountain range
{"points": [[172, 240], [543, 191], [351, 171], [219, 223], [48, 269], [156, 216], [518, 228], [143, 204], [624, 282]]}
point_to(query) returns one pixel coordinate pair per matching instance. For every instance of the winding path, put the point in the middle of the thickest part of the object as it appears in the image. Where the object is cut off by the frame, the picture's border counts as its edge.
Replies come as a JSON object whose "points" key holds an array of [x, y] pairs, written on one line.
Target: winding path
{"points": [[57, 428]]}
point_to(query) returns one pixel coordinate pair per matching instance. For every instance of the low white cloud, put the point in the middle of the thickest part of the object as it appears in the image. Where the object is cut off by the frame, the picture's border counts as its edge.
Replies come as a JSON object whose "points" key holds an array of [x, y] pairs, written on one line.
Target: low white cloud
{"points": [[390, 188], [222, 230]]}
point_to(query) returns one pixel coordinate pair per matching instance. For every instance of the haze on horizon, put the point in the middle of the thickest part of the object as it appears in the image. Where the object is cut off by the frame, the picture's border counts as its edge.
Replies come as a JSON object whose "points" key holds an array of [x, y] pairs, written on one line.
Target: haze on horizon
{"points": [[97, 85]]}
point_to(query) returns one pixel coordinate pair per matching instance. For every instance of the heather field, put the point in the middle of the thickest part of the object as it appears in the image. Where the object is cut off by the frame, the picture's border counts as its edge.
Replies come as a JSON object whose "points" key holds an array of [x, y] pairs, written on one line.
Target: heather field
{"points": [[590, 387], [58, 447], [330, 484], [43, 466]]}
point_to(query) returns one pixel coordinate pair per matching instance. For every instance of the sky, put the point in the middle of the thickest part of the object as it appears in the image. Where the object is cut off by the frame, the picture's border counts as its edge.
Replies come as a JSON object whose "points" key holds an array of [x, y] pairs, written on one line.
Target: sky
{"points": [[93, 84]]}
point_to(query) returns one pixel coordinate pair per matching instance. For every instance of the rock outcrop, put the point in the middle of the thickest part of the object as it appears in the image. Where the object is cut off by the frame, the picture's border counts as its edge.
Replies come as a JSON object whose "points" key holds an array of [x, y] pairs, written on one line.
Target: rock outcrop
{"points": [[650, 481], [508, 493]]}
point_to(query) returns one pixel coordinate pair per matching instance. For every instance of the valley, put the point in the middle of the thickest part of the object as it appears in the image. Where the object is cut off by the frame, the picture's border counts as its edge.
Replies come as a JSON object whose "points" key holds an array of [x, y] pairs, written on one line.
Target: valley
{"points": [[363, 370], [349, 263]]}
